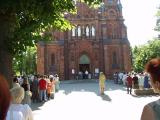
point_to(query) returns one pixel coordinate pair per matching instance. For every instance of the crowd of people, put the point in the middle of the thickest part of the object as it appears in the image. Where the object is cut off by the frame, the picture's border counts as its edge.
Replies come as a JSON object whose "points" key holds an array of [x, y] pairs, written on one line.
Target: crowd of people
{"points": [[133, 80], [15, 102], [38, 88]]}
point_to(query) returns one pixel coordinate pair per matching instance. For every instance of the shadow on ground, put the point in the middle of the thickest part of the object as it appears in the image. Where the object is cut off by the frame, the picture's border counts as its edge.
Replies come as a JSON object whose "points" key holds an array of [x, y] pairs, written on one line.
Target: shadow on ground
{"points": [[89, 86], [36, 106], [105, 98]]}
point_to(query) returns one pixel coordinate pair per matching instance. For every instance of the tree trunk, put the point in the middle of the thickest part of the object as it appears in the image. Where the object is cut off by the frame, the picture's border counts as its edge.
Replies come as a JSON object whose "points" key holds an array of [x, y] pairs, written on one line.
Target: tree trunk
{"points": [[6, 31], [6, 66]]}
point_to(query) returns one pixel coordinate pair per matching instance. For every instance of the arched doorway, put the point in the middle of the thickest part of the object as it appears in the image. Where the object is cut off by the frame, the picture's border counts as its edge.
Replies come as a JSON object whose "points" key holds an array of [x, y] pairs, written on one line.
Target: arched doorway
{"points": [[84, 65]]}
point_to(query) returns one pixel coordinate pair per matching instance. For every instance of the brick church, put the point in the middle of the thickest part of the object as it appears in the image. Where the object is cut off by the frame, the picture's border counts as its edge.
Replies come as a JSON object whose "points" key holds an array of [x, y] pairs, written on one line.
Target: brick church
{"points": [[98, 42]]}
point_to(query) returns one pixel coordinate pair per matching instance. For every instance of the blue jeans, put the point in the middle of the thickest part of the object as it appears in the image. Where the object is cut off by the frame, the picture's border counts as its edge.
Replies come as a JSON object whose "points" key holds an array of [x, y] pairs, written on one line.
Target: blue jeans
{"points": [[42, 94]]}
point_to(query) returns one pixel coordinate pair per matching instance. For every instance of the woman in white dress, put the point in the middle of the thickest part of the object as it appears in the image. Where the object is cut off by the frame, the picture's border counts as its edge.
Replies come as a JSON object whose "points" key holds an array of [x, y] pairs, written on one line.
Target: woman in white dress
{"points": [[18, 111], [57, 82], [141, 81]]}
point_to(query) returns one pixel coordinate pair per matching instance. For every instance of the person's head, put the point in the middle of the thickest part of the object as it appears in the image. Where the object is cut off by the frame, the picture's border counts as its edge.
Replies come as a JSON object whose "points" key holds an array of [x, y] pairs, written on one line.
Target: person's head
{"points": [[51, 79], [153, 68], [17, 94], [56, 75], [15, 80], [101, 73], [25, 80], [5, 97], [35, 77]]}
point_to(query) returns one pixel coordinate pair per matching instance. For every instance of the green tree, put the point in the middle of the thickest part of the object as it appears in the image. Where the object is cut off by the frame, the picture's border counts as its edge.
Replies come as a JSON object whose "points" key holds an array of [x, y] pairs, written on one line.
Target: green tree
{"points": [[25, 63], [23, 21], [142, 54]]}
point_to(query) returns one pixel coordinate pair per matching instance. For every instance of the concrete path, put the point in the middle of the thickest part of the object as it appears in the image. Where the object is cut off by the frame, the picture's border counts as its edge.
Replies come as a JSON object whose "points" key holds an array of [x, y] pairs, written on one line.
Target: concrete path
{"points": [[80, 100]]}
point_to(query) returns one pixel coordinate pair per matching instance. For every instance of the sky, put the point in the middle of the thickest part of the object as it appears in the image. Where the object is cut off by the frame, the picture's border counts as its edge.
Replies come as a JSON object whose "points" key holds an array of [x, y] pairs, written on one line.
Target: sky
{"points": [[140, 20]]}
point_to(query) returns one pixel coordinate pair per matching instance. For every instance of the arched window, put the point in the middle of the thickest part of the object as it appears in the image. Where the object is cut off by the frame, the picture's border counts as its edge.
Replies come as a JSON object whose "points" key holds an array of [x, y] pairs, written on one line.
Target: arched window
{"points": [[112, 14], [79, 31], [114, 60], [52, 59], [104, 31], [110, 1], [87, 31], [84, 59], [73, 32], [110, 31], [93, 31], [114, 33]]}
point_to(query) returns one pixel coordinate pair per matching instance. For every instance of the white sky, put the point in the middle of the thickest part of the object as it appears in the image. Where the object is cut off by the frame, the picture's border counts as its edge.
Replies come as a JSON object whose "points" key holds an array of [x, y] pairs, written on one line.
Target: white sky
{"points": [[140, 20]]}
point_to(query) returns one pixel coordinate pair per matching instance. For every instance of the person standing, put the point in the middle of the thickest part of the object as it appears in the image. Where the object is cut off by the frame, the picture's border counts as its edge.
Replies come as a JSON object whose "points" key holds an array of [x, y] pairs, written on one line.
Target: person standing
{"points": [[146, 81], [42, 89], [141, 81], [49, 89], [120, 76], [135, 82], [124, 79], [34, 86], [129, 84], [52, 87], [151, 111], [15, 82], [86, 74], [27, 94], [18, 111], [57, 82], [115, 76], [102, 79]]}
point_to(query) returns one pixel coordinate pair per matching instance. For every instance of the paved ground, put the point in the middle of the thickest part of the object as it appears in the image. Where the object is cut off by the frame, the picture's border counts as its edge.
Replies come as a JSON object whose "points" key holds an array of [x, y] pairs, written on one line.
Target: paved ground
{"points": [[80, 100]]}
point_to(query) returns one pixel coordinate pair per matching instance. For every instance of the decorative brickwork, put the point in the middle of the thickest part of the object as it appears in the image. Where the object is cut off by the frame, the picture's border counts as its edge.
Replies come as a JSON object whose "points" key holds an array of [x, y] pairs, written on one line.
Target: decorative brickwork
{"points": [[97, 43]]}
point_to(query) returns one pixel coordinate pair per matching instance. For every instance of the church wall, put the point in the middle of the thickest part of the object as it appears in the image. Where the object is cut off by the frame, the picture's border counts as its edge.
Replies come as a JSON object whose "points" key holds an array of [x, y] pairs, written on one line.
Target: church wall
{"points": [[121, 60], [58, 66], [108, 50], [127, 58], [40, 60]]}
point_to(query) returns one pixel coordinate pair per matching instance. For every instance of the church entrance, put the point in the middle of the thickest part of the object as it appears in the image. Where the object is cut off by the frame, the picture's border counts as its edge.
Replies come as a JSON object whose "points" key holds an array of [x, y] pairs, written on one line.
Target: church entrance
{"points": [[84, 67]]}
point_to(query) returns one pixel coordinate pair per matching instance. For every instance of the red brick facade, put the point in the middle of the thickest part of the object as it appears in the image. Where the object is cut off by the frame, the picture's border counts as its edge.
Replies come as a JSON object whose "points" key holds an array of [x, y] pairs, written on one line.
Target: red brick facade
{"points": [[98, 41]]}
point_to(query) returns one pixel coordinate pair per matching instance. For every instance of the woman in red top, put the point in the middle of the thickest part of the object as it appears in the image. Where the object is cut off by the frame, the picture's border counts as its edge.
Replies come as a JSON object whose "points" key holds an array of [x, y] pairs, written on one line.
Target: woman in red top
{"points": [[129, 84]]}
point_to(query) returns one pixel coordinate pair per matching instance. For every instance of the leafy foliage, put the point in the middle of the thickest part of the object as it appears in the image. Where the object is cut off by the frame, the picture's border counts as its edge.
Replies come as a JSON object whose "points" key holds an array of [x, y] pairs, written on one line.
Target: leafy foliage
{"points": [[23, 23], [25, 63], [29, 18], [142, 54]]}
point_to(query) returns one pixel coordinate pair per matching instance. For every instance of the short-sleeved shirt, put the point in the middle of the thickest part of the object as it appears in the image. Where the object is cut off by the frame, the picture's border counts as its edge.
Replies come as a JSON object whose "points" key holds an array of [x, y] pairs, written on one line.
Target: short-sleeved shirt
{"points": [[156, 108], [19, 112], [42, 84]]}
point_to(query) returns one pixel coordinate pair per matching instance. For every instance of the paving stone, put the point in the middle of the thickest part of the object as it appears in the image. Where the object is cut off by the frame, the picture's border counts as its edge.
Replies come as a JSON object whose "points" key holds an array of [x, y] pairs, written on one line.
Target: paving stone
{"points": [[80, 100]]}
